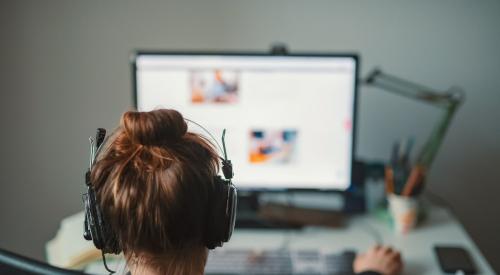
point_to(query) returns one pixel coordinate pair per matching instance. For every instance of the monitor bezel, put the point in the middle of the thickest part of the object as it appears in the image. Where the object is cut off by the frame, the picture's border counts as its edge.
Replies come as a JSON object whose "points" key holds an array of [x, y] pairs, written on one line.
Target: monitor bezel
{"points": [[136, 54]]}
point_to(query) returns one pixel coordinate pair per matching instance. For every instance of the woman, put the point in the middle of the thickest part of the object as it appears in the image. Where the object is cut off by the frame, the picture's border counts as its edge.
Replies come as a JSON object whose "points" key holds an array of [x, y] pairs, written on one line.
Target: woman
{"points": [[154, 181]]}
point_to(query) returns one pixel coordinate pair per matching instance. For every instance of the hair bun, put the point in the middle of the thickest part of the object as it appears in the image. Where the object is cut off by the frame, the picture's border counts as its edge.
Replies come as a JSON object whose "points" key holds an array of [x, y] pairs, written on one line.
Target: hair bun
{"points": [[158, 127]]}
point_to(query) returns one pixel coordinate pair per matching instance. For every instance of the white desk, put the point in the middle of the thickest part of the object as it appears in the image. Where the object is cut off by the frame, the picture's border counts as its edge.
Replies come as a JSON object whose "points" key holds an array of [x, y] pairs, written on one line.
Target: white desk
{"points": [[417, 247]]}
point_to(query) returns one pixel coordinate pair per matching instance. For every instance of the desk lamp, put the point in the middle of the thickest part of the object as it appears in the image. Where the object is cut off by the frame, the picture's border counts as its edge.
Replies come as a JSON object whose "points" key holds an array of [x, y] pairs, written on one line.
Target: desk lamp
{"points": [[449, 101]]}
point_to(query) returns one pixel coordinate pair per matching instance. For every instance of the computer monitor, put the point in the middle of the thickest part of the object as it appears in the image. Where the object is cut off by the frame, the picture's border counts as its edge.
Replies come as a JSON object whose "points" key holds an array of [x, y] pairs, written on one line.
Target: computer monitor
{"points": [[290, 119]]}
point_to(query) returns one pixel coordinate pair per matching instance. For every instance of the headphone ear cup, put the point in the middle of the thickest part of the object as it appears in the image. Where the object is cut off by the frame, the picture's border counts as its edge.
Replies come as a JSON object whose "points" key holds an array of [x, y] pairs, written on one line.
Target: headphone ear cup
{"points": [[222, 213], [101, 233], [93, 220], [232, 205], [215, 222]]}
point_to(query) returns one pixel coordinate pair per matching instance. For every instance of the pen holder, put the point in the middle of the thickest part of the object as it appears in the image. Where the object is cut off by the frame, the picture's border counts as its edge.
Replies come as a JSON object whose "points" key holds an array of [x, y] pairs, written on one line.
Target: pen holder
{"points": [[403, 188], [404, 211]]}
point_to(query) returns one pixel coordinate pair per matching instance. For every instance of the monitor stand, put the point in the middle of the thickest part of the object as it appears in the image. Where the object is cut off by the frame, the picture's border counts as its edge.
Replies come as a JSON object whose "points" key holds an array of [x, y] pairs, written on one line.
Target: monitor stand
{"points": [[290, 209], [351, 201], [248, 217]]}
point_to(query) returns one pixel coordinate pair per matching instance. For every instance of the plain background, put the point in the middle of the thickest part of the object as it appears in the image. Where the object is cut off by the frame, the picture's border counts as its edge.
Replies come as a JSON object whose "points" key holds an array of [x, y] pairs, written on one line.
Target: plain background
{"points": [[64, 70]]}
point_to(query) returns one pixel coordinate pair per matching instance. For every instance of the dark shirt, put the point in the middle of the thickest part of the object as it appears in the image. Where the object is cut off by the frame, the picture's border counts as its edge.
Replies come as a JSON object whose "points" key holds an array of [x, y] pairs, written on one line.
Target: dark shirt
{"points": [[362, 273]]}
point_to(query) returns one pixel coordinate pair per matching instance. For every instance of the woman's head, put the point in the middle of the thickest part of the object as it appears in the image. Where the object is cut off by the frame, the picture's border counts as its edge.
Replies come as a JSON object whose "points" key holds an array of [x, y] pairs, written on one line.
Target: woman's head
{"points": [[153, 181]]}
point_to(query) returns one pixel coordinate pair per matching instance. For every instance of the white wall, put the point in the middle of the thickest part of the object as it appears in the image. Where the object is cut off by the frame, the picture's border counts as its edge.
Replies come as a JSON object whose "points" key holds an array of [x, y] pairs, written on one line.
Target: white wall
{"points": [[64, 71]]}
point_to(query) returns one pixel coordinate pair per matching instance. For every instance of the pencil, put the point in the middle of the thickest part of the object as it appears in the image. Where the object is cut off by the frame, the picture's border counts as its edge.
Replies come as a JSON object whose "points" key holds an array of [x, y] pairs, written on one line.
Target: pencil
{"points": [[389, 180], [415, 179]]}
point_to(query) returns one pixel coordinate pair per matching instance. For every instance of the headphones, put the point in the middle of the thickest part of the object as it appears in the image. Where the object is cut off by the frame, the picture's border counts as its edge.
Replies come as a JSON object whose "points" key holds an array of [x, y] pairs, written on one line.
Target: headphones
{"points": [[220, 218]]}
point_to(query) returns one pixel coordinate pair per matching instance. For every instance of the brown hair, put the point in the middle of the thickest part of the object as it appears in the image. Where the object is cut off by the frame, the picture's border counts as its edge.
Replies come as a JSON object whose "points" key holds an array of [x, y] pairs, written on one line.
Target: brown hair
{"points": [[153, 181]]}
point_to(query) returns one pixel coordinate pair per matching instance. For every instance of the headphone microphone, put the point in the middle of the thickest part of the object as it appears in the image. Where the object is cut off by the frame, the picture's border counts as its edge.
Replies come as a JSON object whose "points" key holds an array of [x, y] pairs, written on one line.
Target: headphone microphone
{"points": [[227, 166]]}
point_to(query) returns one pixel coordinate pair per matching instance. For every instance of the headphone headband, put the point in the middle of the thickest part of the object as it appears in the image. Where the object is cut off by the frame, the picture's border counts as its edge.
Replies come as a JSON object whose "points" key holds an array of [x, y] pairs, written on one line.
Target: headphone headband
{"points": [[221, 211]]}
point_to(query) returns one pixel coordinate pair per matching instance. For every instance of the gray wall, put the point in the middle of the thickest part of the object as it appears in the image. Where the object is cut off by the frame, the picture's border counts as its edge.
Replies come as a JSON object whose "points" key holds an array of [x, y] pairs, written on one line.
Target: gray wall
{"points": [[64, 70]]}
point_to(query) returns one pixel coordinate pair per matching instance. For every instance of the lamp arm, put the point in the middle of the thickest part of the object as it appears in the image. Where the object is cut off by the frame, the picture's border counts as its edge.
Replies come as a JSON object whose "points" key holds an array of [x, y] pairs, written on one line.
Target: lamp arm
{"points": [[431, 147], [450, 101]]}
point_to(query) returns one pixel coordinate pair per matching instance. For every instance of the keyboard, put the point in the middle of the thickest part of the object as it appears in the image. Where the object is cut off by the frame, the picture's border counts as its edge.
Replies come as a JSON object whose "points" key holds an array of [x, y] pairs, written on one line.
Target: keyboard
{"points": [[279, 262]]}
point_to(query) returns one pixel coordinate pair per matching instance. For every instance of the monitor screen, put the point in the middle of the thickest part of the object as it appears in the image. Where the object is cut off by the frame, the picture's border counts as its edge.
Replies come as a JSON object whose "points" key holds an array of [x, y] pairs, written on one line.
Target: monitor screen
{"points": [[289, 119]]}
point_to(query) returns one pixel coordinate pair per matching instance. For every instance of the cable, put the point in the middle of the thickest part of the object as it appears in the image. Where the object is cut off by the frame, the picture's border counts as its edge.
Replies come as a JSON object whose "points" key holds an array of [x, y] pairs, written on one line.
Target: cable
{"points": [[376, 236], [204, 129], [437, 199], [105, 264]]}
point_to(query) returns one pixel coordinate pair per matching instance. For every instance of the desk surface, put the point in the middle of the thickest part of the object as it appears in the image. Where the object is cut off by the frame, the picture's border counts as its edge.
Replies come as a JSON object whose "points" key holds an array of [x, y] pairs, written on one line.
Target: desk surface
{"points": [[364, 231], [361, 232]]}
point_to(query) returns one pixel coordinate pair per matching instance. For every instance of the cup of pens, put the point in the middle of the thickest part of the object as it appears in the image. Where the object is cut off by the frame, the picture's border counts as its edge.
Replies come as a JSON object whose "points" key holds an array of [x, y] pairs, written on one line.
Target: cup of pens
{"points": [[404, 183]]}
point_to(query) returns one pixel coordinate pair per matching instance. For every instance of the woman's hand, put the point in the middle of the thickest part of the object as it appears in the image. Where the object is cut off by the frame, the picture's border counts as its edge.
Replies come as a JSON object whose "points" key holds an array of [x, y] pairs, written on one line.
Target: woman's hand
{"points": [[382, 259]]}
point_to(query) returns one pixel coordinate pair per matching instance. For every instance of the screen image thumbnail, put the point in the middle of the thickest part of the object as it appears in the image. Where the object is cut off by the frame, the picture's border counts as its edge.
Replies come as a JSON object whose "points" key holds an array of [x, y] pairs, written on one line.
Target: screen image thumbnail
{"points": [[272, 146], [214, 86]]}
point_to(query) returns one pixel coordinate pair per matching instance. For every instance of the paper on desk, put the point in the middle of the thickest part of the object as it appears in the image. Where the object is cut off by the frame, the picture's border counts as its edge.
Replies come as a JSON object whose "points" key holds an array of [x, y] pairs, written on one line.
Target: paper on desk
{"points": [[69, 244]]}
